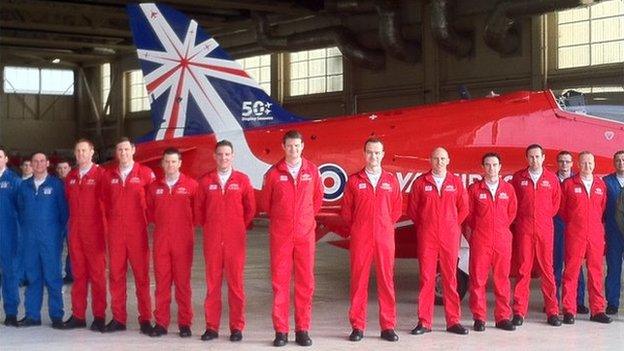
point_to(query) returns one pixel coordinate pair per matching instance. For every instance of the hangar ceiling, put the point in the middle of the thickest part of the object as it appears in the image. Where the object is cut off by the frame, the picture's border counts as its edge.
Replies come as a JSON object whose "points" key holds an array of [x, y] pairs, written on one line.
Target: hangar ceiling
{"points": [[366, 31]]}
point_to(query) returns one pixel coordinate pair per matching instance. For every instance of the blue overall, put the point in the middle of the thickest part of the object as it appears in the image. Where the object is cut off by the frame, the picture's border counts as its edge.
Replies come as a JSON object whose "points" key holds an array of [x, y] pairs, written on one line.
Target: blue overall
{"points": [[615, 243], [9, 238], [43, 216]]}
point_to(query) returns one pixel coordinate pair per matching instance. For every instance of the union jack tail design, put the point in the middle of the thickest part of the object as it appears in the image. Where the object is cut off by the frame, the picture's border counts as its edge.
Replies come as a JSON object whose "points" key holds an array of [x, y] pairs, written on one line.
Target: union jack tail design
{"points": [[194, 86]]}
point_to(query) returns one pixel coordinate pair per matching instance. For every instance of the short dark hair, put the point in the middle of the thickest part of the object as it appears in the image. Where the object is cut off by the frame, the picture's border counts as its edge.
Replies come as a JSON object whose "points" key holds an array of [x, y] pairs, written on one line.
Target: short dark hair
{"points": [[24, 160], [490, 154], [85, 140], [533, 146], [224, 142], [4, 149], [63, 160], [292, 134], [172, 151], [373, 140], [564, 153], [618, 153], [123, 140], [37, 152]]}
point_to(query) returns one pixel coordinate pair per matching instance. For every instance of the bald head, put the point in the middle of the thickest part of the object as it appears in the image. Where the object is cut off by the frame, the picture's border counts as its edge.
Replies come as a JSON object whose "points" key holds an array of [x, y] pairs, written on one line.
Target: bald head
{"points": [[439, 161]]}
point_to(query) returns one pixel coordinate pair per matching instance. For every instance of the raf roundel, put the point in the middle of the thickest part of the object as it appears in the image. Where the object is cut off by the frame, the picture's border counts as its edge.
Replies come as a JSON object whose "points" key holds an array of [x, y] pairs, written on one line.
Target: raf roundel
{"points": [[334, 181]]}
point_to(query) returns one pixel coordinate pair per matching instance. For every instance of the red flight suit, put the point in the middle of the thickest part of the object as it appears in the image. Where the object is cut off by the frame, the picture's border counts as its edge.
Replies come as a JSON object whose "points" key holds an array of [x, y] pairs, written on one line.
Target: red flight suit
{"points": [[125, 207], [534, 236], [172, 212], [490, 246], [87, 240], [584, 239], [371, 213], [225, 213], [291, 205], [437, 219]]}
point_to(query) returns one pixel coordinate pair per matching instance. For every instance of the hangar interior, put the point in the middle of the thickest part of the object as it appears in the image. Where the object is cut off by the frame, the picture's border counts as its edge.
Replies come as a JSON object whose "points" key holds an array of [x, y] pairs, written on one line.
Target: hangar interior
{"points": [[317, 58]]}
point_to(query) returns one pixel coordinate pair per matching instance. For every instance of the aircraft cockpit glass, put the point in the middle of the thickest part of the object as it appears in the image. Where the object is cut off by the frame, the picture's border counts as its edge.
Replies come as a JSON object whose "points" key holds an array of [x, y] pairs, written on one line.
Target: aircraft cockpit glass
{"points": [[603, 102]]}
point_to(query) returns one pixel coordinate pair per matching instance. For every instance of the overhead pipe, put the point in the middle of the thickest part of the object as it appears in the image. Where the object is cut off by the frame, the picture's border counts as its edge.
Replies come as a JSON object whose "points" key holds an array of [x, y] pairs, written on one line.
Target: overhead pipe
{"points": [[330, 36], [499, 29], [442, 29]]}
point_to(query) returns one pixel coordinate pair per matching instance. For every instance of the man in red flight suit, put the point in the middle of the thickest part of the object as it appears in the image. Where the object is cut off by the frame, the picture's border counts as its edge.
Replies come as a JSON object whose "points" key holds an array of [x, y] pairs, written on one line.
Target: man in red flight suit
{"points": [[539, 194], [87, 244], [292, 196], [371, 205], [170, 206], [438, 204], [493, 207], [226, 205], [124, 201], [583, 202]]}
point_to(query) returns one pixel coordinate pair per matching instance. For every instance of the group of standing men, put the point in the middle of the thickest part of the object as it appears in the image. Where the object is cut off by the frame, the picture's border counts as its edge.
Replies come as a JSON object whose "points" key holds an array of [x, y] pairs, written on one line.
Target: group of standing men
{"points": [[107, 212]]}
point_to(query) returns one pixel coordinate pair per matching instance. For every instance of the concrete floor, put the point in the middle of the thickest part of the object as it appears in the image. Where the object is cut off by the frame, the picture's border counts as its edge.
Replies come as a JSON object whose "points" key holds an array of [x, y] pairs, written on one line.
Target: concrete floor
{"points": [[330, 324]]}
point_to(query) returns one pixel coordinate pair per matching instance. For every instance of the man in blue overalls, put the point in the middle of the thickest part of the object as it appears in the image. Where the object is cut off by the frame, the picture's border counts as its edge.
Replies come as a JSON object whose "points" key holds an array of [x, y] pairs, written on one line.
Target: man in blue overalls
{"points": [[564, 163], [614, 237], [43, 216], [9, 237]]}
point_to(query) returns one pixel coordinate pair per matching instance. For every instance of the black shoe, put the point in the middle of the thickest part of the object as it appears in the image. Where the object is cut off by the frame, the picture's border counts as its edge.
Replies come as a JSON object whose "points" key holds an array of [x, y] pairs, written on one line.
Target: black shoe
{"points": [[73, 323], [505, 324], [582, 309], [568, 318], [157, 331], [185, 331], [478, 325], [420, 329], [10, 321], [517, 320], [114, 326], [68, 279], [611, 310], [389, 335], [146, 327], [554, 320], [281, 339], [209, 334], [57, 323], [356, 335], [302, 338], [236, 335], [601, 318], [98, 325], [27, 322], [457, 329]]}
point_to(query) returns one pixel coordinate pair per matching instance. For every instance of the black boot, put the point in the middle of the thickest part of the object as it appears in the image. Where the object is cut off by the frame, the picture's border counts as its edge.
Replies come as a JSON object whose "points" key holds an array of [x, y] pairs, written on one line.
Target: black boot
{"points": [[281, 339], [10, 321], [146, 327], [98, 325], [611, 310], [505, 324], [114, 326], [568, 318], [420, 329], [582, 309], [302, 338], [74, 322], [517, 320], [554, 320], [457, 329], [57, 323], [478, 325], [389, 335], [157, 331], [236, 335], [209, 334], [356, 335], [185, 331], [27, 322], [601, 318]]}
